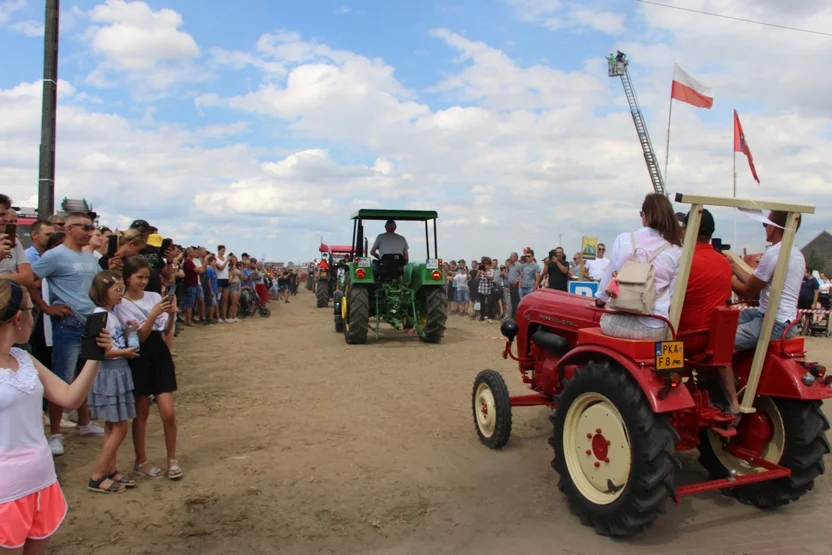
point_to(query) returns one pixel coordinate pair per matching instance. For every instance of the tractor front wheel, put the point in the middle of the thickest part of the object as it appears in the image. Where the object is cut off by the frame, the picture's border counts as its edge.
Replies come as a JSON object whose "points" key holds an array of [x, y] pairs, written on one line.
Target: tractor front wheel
{"points": [[492, 409], [322, 293], [615, 456], [794, 435], [337, 298], [356, 314], [436, 314]]}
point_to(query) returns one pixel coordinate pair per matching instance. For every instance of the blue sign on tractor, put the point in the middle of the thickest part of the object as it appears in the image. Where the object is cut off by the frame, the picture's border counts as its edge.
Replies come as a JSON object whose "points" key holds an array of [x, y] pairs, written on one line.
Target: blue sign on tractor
{"points": [[585, 288]]}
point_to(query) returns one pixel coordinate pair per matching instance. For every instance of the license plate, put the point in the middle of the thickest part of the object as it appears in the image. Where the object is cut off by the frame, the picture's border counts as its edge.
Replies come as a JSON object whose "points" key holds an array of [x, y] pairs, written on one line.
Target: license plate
{"points": [[432, 264], [364, 262], [670, 355]]}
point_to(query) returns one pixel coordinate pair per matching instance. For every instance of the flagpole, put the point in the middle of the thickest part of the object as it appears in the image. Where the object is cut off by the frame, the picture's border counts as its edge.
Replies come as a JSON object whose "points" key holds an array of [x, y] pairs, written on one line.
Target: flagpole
{"points": [[667, 144], [734, 244]]}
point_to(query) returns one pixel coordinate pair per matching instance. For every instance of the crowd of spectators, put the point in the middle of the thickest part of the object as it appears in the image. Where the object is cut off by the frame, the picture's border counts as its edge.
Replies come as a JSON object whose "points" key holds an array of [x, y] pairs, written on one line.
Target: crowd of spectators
{"points": [[488, 290], [150, 289]]}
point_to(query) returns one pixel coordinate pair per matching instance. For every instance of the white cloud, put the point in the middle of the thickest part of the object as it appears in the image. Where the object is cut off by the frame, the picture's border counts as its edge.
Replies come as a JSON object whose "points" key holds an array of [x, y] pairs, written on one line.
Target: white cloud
{"points": [[555, 14], [143, 46], [515, 154], [29, 27], [9, 8]]}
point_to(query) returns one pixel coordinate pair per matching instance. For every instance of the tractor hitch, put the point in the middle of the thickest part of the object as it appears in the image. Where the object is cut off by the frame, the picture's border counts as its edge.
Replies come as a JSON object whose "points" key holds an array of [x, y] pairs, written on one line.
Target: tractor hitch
{"points": [[771, 471]]}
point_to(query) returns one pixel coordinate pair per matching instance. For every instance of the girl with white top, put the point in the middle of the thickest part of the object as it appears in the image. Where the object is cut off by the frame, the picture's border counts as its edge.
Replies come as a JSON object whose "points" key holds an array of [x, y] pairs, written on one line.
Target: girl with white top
{"points": [[153, 371], [32, 505], [111, 399], [659, 240]]}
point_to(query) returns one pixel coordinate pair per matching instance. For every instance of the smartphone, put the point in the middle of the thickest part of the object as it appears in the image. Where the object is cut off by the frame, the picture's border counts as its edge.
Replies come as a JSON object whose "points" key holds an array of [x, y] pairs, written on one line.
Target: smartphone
{"points": [[166, 244], [11, 233], [169, 299], [90, 350], [113, 243], [717, 244]]}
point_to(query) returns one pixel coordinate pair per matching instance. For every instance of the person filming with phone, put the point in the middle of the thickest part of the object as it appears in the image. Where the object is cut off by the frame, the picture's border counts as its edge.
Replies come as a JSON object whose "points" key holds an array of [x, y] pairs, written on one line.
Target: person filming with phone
{"points": [[14, 263]]}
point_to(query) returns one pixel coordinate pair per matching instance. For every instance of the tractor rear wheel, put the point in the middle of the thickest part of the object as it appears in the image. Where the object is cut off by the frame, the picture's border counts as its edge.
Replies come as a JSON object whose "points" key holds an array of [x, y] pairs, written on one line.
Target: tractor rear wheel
{"points": [[492, 409], [356, 314], [436, 314], [797, 431], [615, 456], [322, 293]]}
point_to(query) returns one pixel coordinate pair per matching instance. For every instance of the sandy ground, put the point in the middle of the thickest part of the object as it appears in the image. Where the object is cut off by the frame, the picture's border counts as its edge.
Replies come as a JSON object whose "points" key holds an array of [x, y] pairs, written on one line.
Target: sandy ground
{"points": [[293, 442]]}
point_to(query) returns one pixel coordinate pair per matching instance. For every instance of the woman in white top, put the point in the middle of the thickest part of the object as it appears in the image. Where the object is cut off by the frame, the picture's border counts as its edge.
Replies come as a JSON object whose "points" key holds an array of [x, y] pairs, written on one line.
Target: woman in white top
{"points": [[32, 505], [660, 240]]}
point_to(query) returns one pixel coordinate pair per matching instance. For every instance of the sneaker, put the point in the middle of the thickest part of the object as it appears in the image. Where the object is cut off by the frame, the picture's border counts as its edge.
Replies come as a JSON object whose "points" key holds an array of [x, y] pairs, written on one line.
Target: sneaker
{"points": [[91, 429], [56, 445], [67, 423]]}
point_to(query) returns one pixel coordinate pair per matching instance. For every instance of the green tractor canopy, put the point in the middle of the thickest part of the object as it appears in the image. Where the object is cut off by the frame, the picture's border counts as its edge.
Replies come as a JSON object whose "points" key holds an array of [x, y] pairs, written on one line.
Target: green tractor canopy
{"points": [[408, 294]]}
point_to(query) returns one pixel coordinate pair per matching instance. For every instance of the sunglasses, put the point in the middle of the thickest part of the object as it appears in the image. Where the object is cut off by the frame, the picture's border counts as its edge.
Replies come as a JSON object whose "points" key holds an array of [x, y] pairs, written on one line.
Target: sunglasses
{"points": [[85, 227], [601, 249]]}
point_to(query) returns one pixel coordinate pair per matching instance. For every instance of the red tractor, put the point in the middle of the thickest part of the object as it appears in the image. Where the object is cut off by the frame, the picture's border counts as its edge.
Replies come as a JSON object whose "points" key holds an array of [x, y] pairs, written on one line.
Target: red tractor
{"points": [[623, 408]]}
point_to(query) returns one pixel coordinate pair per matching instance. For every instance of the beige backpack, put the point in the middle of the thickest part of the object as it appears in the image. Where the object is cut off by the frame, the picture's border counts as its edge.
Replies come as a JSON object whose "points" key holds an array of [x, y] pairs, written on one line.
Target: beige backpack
{"points": [[637, 284]]}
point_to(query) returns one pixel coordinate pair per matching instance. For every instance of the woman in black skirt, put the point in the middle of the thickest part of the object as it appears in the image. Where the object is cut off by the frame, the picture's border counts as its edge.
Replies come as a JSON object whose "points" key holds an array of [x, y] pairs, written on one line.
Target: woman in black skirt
{"points": [[154, 371]]}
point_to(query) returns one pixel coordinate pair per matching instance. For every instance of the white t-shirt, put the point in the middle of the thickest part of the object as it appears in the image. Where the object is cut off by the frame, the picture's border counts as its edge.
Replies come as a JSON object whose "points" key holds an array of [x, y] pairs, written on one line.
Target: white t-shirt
{"points": [[128, 310], [461, 282], [791, 288], [596, 268], [222, 274]]}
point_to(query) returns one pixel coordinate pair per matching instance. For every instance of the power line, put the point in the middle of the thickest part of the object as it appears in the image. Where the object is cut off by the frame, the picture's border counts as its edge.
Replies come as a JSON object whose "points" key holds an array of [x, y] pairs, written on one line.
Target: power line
{"points": [[736, 18]]}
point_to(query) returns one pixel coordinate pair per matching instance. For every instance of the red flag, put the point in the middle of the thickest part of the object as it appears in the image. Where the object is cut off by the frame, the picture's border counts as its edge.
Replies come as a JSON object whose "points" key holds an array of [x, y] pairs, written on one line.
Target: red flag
{"points": [[741, 145]]}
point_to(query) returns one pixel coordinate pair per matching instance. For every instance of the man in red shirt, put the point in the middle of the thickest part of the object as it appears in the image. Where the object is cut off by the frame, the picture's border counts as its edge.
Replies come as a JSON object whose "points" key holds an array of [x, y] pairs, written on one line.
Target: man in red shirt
{"points": [[191, 284], [709, 287]]}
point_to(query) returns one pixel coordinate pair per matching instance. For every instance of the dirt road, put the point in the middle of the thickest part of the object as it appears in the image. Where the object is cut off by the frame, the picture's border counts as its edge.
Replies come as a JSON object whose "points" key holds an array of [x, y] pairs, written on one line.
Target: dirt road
{"points": [[293, 442]]}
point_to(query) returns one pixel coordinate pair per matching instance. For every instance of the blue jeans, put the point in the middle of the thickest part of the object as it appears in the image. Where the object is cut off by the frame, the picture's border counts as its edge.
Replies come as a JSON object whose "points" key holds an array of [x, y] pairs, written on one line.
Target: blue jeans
{"points": [[66, 347], [750, 326], [191, 296], [525, 291]]}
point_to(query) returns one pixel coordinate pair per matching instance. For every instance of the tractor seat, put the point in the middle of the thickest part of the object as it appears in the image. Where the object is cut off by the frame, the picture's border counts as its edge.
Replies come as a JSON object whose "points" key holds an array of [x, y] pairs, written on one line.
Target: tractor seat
{"points": [[636, 349], [390, 267]]}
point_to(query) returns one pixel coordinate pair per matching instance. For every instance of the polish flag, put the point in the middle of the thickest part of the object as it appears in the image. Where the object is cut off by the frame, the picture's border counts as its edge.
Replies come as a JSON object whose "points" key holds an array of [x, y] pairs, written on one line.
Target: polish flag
{"points": [[689, 90]]}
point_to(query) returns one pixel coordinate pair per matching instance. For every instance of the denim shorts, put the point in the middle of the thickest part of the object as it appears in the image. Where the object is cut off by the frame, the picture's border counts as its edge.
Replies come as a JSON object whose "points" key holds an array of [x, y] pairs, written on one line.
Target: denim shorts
{"points": [[750, 326], [210, 299], [200, 292], [66, 347], [191, 296], [462, 296]]}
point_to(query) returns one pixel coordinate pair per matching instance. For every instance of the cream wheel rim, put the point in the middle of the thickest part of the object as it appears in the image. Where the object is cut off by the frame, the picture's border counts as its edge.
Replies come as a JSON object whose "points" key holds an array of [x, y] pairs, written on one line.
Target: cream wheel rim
{"points": [[773, 450], [596, 447], [486, 410]]}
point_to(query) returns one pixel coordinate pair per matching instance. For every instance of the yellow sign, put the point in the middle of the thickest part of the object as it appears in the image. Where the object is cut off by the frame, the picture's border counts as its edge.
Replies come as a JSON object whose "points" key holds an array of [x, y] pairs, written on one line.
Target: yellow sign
{"points": [[670, 355], [589, 247]]}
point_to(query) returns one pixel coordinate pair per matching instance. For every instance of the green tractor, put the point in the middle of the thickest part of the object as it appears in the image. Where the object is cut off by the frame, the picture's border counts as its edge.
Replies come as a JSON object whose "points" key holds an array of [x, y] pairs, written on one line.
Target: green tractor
{"points": [[409, 296]]}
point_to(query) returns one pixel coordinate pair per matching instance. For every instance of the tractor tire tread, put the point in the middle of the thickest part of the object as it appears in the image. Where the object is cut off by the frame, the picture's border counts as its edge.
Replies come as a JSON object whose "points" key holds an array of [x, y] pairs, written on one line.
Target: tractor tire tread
{"points": [[358, 315], [322, 294], [803, 454], [654, 461], [502, 404], [436, 303]]}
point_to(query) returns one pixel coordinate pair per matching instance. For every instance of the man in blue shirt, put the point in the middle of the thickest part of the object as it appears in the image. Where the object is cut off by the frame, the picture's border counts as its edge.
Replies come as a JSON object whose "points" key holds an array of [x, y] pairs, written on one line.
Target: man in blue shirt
{"points": [[41, 231], [70, 271]]}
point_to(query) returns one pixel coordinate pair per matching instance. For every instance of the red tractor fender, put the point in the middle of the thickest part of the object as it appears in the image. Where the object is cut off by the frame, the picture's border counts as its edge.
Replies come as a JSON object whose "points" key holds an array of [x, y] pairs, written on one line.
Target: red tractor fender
{"points": [[782, 374], [647, 379]]}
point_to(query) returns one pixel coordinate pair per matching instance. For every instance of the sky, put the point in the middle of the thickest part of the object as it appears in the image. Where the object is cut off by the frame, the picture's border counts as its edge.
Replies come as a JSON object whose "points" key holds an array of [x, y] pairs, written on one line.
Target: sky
{"points": [[264, 124]]}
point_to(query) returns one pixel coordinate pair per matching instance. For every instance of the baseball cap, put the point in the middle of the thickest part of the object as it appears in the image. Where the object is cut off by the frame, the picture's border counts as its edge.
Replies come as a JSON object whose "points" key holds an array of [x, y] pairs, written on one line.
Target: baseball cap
{"points": [[707, 226], [141, 225]]}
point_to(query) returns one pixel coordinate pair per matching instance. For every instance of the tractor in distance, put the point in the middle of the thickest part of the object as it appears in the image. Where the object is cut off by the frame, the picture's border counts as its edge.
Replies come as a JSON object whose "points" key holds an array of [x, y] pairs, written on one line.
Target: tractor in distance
{"points": [[407, 295], [623, 408], [333, 259]]}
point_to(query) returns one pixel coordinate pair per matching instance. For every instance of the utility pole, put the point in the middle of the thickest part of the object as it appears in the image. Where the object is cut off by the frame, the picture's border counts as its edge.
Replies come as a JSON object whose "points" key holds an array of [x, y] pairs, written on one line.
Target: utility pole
{"points": [[46, 173]]}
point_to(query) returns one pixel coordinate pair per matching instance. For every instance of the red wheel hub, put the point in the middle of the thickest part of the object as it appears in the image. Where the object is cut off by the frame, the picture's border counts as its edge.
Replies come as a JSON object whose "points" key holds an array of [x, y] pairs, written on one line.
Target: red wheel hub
{"points": [[754, 432], [600, 447]]}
